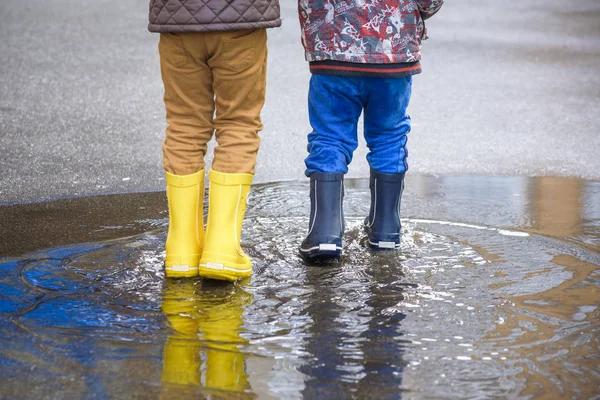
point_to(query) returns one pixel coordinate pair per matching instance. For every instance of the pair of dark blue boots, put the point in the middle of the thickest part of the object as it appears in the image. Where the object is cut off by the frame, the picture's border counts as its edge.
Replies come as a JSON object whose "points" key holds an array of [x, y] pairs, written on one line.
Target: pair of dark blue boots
{"points": [[326, 224]]}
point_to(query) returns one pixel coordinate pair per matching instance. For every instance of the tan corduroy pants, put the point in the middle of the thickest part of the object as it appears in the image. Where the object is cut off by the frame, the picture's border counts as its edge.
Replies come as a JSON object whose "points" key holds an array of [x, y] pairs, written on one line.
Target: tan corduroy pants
{"points": [[214, 84]]}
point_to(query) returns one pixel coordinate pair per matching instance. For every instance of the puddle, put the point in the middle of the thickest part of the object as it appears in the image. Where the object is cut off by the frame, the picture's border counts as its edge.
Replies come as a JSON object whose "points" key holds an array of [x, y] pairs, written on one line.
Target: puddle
{"points": [[495, 294]]}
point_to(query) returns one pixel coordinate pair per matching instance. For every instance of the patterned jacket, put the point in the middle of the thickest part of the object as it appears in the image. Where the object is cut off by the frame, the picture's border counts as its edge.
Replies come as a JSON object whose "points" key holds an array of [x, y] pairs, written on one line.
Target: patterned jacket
{"points": [[365, 31]]}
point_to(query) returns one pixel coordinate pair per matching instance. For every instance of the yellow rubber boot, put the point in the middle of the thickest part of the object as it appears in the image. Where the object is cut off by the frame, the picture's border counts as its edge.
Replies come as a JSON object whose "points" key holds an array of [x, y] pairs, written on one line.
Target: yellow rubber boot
{"points": [[185, 238], [223, 257]]}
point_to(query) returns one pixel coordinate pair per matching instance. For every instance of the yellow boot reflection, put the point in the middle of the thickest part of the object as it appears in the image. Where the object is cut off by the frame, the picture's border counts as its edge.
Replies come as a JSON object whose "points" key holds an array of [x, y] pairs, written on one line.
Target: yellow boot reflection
{"points": [[181, 358], [220, 326], [207, 320]]}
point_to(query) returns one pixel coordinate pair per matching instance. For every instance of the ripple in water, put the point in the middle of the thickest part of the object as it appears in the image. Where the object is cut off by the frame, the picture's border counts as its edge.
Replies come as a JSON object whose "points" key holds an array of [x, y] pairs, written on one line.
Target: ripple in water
{"points": [[463, 311]]}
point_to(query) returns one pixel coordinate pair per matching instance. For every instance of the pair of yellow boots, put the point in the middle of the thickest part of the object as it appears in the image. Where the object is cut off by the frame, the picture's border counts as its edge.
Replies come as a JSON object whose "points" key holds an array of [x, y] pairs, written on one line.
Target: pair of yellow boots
{"points": [[216, 253]]}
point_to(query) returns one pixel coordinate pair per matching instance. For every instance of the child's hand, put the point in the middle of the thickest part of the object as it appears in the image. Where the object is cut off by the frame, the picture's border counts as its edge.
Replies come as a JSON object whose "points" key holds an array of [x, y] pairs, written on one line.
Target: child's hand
{"points": [[428, 8]]}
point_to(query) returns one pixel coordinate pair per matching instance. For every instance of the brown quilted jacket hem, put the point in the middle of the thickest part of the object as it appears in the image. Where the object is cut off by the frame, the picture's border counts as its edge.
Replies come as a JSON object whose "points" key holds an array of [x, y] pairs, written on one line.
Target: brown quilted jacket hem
{"points": [[213, 27], [212, 15]]}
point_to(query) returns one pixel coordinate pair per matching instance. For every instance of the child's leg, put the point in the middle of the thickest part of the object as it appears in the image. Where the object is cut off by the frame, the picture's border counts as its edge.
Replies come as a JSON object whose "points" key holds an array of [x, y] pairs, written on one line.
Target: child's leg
{"points": [[190, 107], [334, 106], [387, 123], [386, 126], [239, 65], [189, 101]]}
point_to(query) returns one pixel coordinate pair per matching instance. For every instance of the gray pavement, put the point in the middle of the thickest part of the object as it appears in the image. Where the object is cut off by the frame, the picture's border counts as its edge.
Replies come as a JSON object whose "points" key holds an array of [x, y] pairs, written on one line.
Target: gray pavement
{"points": [[509, 88]]}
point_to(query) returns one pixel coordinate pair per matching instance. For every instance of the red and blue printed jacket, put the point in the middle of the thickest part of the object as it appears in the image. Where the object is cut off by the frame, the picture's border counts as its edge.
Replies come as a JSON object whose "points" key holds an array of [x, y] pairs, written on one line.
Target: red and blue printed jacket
{"points": [[364, 31]]}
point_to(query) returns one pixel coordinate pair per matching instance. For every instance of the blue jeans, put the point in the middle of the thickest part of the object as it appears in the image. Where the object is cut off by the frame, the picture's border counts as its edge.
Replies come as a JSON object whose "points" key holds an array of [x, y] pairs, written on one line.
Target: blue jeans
{"points": [[335, 104]]}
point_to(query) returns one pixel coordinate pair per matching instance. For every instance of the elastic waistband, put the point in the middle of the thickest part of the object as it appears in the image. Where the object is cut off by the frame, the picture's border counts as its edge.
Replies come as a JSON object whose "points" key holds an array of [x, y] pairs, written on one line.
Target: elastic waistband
{"points": [[398, 70]]}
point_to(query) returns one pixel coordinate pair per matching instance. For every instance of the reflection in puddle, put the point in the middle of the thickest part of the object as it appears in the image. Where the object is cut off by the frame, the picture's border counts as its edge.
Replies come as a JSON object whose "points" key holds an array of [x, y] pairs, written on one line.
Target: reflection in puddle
{"points": [[206, 318], [495, 294]]}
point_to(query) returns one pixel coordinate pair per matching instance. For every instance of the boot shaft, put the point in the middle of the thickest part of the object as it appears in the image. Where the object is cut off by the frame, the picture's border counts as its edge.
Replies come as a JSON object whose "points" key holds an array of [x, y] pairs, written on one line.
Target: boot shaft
{"points": [[185, 196], [228, 199], [326, 200]]}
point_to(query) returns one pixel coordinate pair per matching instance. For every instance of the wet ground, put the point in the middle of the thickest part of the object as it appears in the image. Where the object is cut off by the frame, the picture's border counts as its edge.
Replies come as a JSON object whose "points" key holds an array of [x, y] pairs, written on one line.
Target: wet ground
{"points": [[494, 294]]}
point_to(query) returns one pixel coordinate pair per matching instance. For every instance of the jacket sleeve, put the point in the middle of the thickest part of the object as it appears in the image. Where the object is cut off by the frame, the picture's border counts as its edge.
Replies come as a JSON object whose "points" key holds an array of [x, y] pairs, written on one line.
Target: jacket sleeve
{"points": [[428, 8]]}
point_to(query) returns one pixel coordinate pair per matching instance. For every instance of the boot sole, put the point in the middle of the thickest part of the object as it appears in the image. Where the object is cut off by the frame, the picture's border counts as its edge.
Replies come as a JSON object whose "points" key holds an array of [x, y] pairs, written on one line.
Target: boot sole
{"points": [[322, 257], [230, 276], [318, 254], [223, 272]]}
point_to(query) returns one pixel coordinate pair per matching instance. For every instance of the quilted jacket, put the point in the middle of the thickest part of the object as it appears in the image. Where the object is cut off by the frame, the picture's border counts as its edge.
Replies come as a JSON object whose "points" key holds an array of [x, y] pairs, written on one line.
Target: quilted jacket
{"points": [[365, 31], [212, 15]]}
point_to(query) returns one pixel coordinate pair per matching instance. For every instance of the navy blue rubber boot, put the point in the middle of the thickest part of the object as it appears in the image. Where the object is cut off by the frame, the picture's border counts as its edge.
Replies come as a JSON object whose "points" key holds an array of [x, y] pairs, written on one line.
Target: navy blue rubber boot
{"points": [[326, 225], [383, 225]]}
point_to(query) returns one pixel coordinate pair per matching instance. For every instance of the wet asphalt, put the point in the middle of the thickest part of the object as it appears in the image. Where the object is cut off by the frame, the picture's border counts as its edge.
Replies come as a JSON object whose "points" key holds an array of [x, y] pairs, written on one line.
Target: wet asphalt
{"points": [[508, 88]]}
